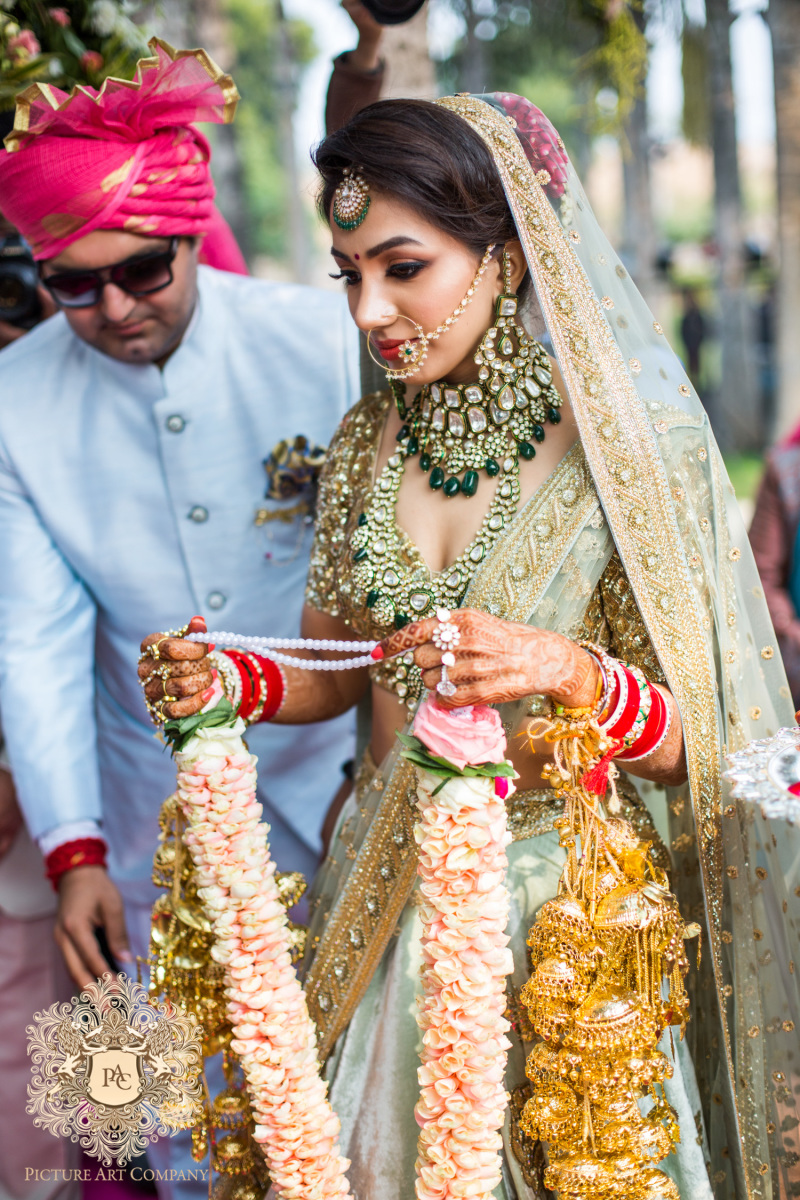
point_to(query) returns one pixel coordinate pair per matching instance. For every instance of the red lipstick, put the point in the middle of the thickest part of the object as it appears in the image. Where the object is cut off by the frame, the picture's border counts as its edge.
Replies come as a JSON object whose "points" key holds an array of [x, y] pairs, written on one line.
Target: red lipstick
{"points": [[389, 349]]}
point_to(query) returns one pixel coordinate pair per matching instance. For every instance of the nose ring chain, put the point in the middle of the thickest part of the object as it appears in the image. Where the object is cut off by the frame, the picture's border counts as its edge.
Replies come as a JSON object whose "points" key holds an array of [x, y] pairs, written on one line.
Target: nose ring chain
{"points": [[414, 352]]}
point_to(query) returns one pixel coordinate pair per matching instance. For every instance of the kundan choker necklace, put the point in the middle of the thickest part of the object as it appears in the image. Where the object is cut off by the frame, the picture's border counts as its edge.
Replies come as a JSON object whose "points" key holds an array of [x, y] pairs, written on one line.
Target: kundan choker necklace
{"points": [[461, 429]]}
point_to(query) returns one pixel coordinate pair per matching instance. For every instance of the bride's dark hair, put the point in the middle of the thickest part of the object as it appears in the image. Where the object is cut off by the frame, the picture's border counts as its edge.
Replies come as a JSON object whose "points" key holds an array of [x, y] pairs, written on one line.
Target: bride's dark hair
{"points": [[427, 157]]}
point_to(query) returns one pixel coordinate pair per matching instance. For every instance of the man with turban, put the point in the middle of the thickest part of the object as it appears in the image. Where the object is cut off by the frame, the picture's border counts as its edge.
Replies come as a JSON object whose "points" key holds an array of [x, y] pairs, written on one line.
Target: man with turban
{"points": [[133, 428]]}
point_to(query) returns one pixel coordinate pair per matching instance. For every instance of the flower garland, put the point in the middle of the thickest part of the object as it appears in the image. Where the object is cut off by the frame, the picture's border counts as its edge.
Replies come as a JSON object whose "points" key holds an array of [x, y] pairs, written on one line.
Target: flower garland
{"points": [[274, 1036], [462, 781], [462, 836]]}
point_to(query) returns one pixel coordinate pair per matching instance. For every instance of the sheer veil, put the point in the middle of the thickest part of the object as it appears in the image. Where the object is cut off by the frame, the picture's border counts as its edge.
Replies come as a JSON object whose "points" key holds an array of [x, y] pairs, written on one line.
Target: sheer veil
{"points": [[677, 528]]}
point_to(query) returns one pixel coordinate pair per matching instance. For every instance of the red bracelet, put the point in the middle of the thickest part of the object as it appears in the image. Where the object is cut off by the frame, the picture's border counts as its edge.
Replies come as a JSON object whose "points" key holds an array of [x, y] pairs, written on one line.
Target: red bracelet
{"points": [[82, 852], [276, 687], [252, 697], [249, 698], [655, 730], [624, 722]]}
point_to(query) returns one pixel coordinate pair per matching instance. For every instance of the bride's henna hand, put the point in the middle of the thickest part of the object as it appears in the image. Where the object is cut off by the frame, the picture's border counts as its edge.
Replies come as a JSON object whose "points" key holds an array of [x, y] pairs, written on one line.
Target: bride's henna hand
{"points": [[189, 671], [178, 686], [497, 661]]}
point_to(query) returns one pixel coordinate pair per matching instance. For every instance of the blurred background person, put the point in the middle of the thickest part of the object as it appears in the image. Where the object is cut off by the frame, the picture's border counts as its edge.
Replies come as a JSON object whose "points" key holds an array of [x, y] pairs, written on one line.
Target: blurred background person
{"points": [[694, 330], [776, 546], [22, 298], [32, 977]]}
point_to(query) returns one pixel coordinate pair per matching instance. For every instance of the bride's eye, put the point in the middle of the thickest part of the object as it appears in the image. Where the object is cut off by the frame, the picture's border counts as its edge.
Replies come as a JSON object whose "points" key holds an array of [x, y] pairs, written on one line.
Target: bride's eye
{"points": [[350, 277], [406, 270]]}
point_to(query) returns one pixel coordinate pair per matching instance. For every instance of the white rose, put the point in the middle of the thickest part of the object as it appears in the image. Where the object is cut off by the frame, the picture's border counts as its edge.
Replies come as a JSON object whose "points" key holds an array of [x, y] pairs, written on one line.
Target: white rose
{"points": [[222, 741]]}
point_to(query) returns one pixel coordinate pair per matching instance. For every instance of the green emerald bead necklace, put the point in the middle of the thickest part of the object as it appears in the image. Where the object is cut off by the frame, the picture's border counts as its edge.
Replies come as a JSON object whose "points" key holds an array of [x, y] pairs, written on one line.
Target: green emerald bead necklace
{"points": [[459, 430]]}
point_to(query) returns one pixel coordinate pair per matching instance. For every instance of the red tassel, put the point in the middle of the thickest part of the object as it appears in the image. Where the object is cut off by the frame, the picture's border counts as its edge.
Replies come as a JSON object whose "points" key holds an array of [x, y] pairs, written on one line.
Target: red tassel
{"points": [[595, 780]]}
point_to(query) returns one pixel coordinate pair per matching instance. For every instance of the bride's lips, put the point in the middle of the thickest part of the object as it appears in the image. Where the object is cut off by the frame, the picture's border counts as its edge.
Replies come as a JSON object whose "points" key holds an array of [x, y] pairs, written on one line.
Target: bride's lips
{"points": [[390, 348]]}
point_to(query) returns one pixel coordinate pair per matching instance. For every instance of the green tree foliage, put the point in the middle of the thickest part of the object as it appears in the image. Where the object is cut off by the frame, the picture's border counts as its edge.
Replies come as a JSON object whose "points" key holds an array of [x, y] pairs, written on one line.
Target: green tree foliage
{"points": [[266, 83], [560, 54], [66, 43]]}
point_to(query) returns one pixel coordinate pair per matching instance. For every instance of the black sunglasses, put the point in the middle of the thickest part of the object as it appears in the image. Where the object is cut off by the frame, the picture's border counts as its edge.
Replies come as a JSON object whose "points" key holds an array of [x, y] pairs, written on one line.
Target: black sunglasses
{"points": [[137, 276]]}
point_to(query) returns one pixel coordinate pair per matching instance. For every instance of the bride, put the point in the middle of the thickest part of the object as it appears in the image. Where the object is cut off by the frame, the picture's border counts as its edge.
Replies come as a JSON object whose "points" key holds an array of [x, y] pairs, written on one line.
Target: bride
{"points": [[540, 477]]}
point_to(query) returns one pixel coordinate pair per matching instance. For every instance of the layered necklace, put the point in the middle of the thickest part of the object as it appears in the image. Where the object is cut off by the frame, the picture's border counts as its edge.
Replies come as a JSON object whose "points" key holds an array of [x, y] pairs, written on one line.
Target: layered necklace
{"points": [[456, 431], [461, 429]]}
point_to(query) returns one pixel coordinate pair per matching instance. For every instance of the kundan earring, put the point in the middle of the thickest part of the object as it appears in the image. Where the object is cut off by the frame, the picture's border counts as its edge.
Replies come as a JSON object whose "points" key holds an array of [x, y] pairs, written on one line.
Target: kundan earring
{"points": [[351, 200]]}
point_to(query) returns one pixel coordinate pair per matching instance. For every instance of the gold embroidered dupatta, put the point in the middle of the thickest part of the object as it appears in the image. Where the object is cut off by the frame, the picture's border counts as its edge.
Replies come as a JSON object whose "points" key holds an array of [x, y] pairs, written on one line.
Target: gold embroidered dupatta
{"points": [[669, 510], [677, 529]]}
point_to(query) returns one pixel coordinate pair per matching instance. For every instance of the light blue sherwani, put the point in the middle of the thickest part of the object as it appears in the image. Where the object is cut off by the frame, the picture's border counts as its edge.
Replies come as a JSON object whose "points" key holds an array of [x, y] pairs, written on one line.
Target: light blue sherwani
{"points": [[127, 503]]}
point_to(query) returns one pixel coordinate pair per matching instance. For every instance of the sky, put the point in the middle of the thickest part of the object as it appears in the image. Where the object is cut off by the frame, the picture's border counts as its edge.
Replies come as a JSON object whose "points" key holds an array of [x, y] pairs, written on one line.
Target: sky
{"points": [[750, 50]]}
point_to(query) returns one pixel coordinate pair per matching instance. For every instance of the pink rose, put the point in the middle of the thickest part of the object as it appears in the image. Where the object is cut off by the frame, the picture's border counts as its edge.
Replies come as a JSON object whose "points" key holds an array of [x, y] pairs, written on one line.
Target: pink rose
{"points": [[92, 61], [24, 44], [60, 16], [464, 736]]}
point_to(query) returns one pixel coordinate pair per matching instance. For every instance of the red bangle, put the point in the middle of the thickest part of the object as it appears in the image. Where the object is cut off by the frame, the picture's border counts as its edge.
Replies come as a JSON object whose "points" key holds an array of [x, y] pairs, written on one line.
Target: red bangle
{"points": [[274, 681], [624, 723], [249, 698], [82, 852], [654, 731], [276, 687]]}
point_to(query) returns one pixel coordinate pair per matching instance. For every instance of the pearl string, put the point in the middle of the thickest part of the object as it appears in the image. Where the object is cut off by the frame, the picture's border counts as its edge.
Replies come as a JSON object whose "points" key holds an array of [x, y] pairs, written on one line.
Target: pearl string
{"points": [[259, 645]]}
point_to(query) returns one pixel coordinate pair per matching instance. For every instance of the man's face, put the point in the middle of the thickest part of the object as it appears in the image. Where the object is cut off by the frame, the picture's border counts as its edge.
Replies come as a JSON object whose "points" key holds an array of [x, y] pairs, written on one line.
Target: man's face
{"points": [[132, 329]]}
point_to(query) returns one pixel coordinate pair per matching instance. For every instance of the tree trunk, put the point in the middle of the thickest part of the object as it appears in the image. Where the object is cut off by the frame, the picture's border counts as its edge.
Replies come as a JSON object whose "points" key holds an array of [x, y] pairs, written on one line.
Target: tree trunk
{"points": [[286, 83], [409, 70], [207, 27], [783, 17], [475, 66], [639, 247], [736, 410]]}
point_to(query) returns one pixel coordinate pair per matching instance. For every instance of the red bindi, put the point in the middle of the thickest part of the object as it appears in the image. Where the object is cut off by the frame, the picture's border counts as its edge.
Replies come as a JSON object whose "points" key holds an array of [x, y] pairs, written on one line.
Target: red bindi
{"points": [[358, 256]]}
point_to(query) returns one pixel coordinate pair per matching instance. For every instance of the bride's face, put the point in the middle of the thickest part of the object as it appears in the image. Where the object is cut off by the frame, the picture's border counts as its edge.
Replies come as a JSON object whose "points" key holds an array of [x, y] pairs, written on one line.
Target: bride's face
{"points": [[397, 265]]}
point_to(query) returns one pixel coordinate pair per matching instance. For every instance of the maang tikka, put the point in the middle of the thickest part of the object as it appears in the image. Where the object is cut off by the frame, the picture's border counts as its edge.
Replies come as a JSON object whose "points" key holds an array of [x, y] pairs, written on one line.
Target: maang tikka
{"points": [[351, 200]]}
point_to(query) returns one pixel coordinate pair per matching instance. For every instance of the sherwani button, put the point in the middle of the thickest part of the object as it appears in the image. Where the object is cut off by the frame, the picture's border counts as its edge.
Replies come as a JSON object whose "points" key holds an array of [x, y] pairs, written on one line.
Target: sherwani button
{"points": [[198, 514], [216, 600], [175, 423]]}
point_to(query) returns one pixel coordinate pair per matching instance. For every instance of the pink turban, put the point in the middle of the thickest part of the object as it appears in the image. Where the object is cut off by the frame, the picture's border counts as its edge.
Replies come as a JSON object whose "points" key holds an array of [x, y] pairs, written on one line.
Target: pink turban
{"points": [[126, 157]]}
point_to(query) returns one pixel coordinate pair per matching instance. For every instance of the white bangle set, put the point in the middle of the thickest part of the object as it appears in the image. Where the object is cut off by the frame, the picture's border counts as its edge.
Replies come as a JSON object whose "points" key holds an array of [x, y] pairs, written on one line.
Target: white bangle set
{"points": [[269, 647]]}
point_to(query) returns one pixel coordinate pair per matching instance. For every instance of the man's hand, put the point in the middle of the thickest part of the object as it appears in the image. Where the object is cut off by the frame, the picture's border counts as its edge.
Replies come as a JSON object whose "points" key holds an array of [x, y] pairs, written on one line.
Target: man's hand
{"points": [[10, 816], [88, 898], [365, 57]]}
